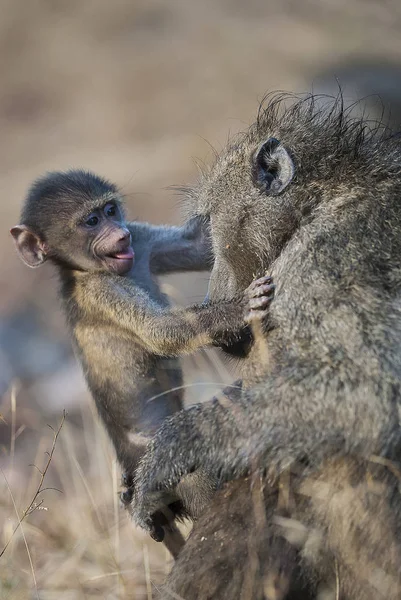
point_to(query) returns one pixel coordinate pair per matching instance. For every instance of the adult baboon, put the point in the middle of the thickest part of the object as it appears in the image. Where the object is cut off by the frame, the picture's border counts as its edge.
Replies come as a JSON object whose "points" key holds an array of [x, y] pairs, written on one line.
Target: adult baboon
{"points": [[313, 196]]}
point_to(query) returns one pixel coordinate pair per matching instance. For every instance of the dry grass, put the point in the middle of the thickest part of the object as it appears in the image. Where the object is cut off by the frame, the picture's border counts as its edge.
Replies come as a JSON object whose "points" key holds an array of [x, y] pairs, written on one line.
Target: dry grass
{"points": [[78, 543]]}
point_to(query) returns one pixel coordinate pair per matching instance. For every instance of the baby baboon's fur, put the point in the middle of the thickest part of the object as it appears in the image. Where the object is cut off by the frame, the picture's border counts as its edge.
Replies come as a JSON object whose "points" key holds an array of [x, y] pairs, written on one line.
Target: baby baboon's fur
{"points": [[125, 334]]}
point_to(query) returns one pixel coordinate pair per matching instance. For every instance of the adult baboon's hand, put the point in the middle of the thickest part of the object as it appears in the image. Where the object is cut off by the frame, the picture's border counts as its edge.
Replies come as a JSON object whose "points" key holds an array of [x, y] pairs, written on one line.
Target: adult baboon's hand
{"points": [[203, 438]]}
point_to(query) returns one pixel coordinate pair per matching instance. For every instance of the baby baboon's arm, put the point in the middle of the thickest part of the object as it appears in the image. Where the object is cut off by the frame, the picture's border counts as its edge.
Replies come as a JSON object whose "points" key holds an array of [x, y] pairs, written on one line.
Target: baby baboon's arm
{"points": [[186, 248], [176, 331]]}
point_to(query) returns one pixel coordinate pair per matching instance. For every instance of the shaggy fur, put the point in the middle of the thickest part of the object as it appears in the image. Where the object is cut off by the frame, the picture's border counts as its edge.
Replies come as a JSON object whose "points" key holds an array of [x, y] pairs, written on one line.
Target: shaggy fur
{"points": [[326, 399]]}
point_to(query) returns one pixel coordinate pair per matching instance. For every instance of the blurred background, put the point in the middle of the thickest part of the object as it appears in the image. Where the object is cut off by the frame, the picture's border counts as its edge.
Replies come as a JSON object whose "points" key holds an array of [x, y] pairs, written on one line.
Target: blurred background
{"points": [[135, 90]]}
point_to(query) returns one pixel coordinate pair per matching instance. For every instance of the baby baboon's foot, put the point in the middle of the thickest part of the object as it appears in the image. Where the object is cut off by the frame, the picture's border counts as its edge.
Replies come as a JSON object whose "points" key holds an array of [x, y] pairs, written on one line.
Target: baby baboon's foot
{"points": [[260, 294]]}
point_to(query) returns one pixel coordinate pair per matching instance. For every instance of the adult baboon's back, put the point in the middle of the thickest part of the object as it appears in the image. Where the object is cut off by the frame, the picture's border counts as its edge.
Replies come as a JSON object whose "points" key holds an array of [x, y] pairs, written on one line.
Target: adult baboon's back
{"points": [[314, 197]]}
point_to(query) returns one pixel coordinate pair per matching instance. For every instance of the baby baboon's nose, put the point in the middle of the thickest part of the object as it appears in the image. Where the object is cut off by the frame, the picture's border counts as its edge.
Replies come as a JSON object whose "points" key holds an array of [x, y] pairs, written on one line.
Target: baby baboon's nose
{"points": [[125, 234]]}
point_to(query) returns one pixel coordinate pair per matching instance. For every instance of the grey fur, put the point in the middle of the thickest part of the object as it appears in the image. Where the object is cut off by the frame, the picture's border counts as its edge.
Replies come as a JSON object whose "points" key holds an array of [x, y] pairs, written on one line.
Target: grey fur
{"points": [[326, 398]]}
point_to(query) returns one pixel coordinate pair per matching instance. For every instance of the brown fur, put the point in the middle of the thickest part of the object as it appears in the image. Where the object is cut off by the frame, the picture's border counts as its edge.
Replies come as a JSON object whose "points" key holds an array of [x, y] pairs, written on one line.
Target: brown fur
{"points": [[125, 334]]}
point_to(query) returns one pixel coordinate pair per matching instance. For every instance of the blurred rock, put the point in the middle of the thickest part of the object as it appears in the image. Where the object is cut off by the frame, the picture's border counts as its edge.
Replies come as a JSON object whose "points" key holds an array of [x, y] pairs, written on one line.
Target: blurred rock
{"points": [[63, 389], [376, 83], [26, 349]]}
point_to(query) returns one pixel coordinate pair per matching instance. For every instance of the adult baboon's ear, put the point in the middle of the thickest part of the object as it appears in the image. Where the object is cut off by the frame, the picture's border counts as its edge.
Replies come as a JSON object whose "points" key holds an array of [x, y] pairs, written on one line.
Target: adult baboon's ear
{"points": [[31, 248], [273, 167]]}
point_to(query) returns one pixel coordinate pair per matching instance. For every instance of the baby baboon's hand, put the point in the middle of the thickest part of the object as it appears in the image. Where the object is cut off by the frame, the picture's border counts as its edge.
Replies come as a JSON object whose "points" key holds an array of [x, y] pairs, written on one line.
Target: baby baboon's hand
{"points": [[260, 294]]}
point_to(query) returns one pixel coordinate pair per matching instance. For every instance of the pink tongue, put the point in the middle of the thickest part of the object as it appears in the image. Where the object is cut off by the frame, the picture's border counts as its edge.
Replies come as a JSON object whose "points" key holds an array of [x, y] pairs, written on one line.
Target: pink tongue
{"points": [[127, 254]]}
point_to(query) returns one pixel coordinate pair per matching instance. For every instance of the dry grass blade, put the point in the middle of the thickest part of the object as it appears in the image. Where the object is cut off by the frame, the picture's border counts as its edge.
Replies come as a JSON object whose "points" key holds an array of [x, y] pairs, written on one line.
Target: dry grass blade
{"points": [[20, 519], [147, 572], [32, 506]]}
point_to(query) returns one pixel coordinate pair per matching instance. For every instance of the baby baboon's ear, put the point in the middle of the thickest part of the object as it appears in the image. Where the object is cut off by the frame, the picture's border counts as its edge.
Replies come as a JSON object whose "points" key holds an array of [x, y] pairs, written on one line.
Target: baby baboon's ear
{"points": [[31, 248], [273, 167]]}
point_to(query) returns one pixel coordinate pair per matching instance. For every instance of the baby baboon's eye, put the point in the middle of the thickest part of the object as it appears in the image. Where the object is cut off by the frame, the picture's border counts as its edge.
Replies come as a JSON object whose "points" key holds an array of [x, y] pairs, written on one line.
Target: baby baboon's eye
{"points": [[92, 220], [110, 210]]}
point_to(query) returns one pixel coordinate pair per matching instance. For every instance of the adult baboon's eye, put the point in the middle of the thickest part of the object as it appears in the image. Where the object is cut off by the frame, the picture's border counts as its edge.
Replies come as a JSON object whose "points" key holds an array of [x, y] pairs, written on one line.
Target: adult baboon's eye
{"points": [[110, 210], [92, 220]]}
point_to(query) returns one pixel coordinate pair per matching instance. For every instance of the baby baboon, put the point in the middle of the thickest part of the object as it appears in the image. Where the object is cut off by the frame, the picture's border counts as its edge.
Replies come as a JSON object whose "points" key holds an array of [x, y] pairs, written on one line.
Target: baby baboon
{"points": [[311, 195], [123, 329]]}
